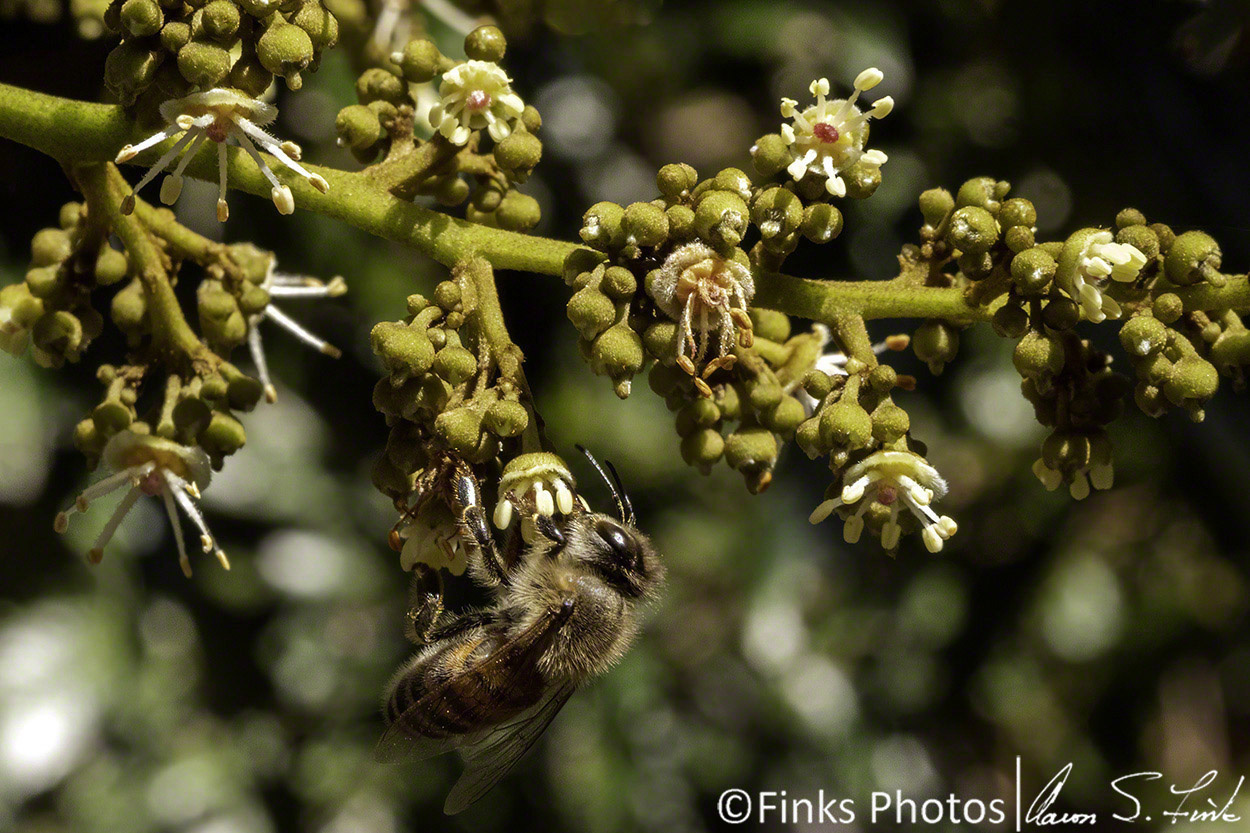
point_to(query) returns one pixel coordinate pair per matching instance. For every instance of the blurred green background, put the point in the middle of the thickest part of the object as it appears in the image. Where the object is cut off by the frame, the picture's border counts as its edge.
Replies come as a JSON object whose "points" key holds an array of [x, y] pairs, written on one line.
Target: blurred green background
{"points": [[1111, 633]]}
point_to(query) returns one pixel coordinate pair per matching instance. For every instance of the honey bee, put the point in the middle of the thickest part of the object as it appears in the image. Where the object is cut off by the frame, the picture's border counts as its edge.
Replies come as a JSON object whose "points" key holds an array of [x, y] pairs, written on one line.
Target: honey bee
{"points": [[488, 682]]}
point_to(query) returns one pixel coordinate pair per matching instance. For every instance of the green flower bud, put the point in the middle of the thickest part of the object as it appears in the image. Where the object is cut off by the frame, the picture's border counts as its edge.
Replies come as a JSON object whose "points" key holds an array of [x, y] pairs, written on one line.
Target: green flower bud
{"points": [[253, 299], [130, 68], [129, 309], [518, 212], [972, 230], [660, 339], [447, 295], [44, 281], [1019, 238], [284, 50], [645, 224], [676, 180], [578, 266], [1193, 257], [1193, 379], [1143, 335], [817, 383], [223, 436], [770, 154], [1150, 400], [506, 418], [1010, 321], [70, 215], [982, 192], [882, 379], [358, 127], [729, 402], [59, 334], [203, 64], [404, 351], [618, 283], [487, 199], [249, 77], [485, 43], [665, 379], [531, 119], [1129, 217], [1142, 238], [111, 416], [703, 447], [519, 152], [862, 180], [784, 417], [601, 225], [733, 180], [777, 212], [1066, 452], [1038, 356], [1168, 308], [807, 435], [935, 343], [1061, 313], [322, 27], [377, 84], [455, 364], [88, 439], [617, 354], [935, 205], [141, 18], [680, 221], [821, 222], [215, 302], [175, 35], [110, 266], [1231, 349], [1032, 271], [747, 448], [721, 219], [191, 416], [420, 61], [770, 324], [461, 428], [49, 247], [1017, 212], [1165, 235], [219, 19], [889, 423], [451, 190], [845, 424]]}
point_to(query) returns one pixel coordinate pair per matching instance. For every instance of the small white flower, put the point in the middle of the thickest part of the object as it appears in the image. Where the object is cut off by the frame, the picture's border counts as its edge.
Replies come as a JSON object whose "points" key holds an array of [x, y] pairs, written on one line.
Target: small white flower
{"points": [[218, 114], [1099, 259], [475, 95], [1099, 472], [539, 478], [828, 137], [285, 285], [703, 291], [150, 466], [433, 538], [891, 478]]}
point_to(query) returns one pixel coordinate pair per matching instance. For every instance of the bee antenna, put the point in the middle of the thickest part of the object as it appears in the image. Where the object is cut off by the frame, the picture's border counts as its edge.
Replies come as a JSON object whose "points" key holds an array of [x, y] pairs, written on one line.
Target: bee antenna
{"points": [[621, 503], [628, 514]]}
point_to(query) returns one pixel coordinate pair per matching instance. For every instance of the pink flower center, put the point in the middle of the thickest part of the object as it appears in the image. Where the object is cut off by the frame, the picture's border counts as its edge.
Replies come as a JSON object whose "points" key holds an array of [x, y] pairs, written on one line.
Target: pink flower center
{"points": [[153, 484], [478, 100], [825, 132], [886, 495]]}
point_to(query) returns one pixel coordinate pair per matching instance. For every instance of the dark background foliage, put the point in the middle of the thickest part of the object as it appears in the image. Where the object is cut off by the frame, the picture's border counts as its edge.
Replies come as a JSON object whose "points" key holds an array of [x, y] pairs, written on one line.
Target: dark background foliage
{"points": [[1111, 633]]}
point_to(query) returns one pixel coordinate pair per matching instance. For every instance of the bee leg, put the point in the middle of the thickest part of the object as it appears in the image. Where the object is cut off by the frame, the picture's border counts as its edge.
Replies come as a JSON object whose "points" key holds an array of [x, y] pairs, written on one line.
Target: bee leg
{"points": [[474, 529], [425, 603]]}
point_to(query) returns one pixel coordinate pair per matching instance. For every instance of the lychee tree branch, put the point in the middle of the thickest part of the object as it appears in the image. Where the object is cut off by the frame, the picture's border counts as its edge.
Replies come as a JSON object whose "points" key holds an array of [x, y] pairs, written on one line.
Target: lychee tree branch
{"points": [[75, 132]]}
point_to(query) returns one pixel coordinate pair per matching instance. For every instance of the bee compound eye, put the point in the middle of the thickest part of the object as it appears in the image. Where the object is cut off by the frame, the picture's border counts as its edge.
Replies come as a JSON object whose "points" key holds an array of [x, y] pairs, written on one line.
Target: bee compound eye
{"points": [[615, 538]]}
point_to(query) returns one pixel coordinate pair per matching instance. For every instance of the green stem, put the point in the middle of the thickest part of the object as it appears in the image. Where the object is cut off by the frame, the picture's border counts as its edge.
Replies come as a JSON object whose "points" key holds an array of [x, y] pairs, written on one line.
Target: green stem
{"points": [[77, 131]]}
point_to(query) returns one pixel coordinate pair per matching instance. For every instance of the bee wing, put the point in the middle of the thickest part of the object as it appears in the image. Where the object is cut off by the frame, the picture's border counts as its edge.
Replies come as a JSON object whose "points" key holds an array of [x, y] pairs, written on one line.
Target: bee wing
{"points": [[502, 670], [490, 758]]}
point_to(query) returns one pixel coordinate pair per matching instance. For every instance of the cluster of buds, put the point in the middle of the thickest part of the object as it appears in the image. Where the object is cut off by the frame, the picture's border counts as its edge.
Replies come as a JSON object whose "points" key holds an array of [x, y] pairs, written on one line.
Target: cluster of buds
{"points": [[443, 388], [457, 102], [51, 310], [169, 50]]}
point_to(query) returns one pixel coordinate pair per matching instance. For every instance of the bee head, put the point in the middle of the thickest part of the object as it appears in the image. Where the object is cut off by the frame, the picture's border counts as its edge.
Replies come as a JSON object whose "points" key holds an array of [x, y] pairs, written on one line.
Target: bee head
{"points": [[616, 552]]}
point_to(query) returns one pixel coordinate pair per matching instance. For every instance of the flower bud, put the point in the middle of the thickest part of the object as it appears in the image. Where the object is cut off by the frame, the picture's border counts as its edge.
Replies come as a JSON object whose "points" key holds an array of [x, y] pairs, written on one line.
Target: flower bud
{"points": [[735, 181], [1032, 271], [358, 127], [455, 364], [935, 205], [1019, 238], [44, 281], [680, 221], [1193, 257], [618, 283], [519, 152], [660, 339], [506, 418], [203, 64], [111, 416], [49, 247], [845, 424], [1168, 308], [141, 18], [284, 50], [770, 325], [1141, 238], [750, 447], [807, 435], [485, 43], [777, 212], [1129, 217], [377, 84], [322, 26], [518, 212], [129, 69], [460, 428], [645, 224], [223, 436], [110, 266], [219, 19], [821, 222], [1017, 212], [703, 447], [1010, 321], [249, 76], [983, 192], [617, 354], [862, 180], [817, 383], [676, 180], [175, 35], [591, 311], [1038, 355], [889, 423], [420, 61], [784, 417], [721, 219], [1061, 313], [404, 350], [59, 335], [972, 230], [601, 225], [771, 155], [1193, 379], [129, 309], [1143, 335], [935, 343]]}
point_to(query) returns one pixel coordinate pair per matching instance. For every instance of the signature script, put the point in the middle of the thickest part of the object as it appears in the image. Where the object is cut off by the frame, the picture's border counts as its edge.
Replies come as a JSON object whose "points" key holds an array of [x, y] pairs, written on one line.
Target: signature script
{"points": [[1197, 803]]}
